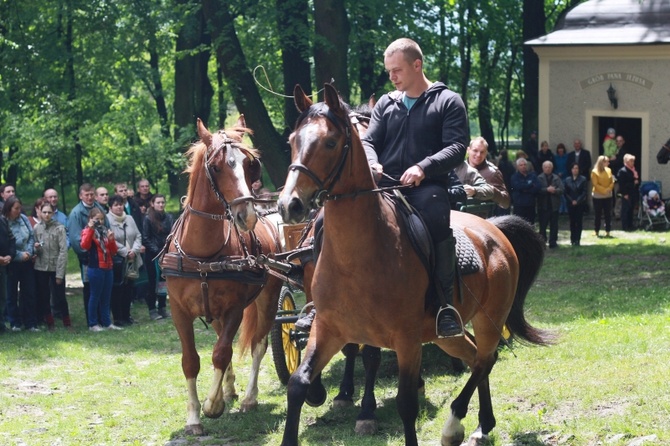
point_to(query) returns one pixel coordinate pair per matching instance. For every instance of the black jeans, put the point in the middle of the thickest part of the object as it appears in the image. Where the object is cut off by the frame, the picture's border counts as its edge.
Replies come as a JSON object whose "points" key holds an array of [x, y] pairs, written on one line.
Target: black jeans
{"points": [[627, 207], [549, 217], [576, 215], [603, 206]]}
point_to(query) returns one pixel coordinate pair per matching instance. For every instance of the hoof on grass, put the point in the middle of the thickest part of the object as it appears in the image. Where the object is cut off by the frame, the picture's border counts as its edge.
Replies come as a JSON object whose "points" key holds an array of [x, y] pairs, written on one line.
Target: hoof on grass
{"points": [[366, 427], [343, 403], [213, 409], [479, 439], [195, 430], [248, 406]]}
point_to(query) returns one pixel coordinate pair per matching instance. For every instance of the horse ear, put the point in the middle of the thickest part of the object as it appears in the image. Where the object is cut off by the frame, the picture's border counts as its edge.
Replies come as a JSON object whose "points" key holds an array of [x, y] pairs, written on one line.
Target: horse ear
{"points": [[241, 122], [372, 101], [302, 102], [203, 133], [332, 98]]}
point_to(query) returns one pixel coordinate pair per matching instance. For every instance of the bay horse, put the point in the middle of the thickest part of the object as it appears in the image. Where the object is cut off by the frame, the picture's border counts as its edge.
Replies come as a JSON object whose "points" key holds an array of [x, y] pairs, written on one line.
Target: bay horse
{"points": [[209, 266], [369, 284]]}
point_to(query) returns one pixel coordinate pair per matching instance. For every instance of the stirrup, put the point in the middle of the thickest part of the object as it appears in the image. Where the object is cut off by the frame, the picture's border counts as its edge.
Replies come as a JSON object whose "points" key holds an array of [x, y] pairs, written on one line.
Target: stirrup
{"points": [[458, 318]]}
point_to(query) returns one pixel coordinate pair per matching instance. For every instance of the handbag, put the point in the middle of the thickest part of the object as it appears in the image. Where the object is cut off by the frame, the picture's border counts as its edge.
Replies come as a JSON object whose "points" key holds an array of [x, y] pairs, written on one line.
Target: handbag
{"points": [[132, 270], [119, 268]]}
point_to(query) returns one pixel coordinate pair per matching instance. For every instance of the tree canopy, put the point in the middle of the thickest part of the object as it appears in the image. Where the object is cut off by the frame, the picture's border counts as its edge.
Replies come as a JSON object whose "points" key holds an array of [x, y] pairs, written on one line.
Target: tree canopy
{"points": [[103, 91]]}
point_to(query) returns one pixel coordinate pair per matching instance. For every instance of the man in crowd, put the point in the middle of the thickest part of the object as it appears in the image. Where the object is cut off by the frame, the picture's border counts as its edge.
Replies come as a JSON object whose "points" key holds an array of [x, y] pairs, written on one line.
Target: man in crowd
{"points": [[477, 157], [6, 191], [102, 198], [77, 220], [582, 157], [143, 192], [548, 202], [524, 189]]}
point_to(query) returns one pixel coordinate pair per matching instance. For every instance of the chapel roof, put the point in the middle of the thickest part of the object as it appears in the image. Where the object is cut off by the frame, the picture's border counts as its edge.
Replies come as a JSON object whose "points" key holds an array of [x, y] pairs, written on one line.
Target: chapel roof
{"points": [[611, 22]]}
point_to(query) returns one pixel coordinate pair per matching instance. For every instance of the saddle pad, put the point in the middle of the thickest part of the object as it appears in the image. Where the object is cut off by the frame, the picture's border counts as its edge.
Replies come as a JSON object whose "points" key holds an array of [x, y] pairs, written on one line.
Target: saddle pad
{"points": [[467, 258]]}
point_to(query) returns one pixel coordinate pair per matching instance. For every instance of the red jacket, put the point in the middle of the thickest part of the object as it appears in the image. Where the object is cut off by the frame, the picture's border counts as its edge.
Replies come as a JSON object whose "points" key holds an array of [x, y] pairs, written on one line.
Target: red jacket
{"points": [[96, 257]]}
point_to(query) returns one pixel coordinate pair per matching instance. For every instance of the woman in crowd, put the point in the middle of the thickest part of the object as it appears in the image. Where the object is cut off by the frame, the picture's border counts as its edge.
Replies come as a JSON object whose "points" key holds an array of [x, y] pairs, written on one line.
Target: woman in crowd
{"points": [[21, 308], [35, 216], [544, 154], [50, 266], [561, 169], [156, 227], [575, 196], [603, 184], [100, 247], [129, 245]]}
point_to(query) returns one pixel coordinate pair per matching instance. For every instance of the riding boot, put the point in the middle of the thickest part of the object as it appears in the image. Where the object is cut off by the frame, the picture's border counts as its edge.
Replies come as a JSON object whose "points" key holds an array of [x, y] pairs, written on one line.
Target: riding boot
{"points": [[448, 322], [304, 324]]}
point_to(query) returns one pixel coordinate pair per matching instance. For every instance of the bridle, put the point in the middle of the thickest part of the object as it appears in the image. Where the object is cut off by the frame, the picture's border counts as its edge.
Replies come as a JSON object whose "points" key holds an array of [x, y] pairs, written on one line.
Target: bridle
{"points": [[228, 143], [323, 193], [325, 186]]}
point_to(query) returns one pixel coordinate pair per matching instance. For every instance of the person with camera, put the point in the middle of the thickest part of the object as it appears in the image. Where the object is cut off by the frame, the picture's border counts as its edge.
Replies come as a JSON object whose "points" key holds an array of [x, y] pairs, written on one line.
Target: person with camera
{"points": [[100, 245]]}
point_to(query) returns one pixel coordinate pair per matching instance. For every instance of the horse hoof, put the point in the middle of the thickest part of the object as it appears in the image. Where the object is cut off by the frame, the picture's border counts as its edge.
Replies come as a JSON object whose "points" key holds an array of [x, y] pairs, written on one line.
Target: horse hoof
{"points": [[248, 406], [342, 403], [195, 430], [479, 439], [366, 427], [316, 395], [213, 410]]}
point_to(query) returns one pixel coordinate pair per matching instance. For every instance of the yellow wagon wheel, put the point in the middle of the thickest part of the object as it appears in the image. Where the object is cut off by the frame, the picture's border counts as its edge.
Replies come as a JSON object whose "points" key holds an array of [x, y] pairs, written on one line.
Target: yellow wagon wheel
{"points": [[285, 351]]}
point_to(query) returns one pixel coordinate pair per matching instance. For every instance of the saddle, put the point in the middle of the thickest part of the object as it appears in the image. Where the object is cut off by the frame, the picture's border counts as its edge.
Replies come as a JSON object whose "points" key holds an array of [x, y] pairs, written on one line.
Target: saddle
{"points": [[468, 260]]}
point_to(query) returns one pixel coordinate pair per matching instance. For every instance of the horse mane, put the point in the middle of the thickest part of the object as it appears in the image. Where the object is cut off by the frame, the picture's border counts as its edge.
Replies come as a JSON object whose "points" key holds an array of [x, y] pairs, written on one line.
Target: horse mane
{"points": [[196, 154]]}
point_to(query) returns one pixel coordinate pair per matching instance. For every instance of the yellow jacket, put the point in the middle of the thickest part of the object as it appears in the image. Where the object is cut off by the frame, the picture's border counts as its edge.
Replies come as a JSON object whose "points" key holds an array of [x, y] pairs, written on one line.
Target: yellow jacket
{"points": [[603, 183]]}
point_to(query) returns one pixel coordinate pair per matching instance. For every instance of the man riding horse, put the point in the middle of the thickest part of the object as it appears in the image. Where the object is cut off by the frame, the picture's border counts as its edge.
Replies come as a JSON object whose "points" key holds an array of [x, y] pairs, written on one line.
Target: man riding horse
{"points": [[417, 135]]}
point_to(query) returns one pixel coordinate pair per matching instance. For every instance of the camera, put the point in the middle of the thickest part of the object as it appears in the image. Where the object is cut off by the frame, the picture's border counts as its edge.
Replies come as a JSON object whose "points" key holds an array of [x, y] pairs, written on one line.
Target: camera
{"points": [[97, 224]]}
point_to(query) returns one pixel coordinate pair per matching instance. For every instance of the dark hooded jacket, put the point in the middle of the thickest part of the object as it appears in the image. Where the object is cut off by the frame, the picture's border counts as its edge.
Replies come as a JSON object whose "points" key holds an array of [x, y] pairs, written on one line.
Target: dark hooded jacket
{"points": [[432, 135]]}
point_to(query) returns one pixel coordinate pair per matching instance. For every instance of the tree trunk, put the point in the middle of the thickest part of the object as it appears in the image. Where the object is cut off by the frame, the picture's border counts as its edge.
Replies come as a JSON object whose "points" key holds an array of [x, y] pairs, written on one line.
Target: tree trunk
{"points": [[243, 89], [486, 67], [294, 42], [533, 26], [331, 44], [193, 90], [69, 80]]}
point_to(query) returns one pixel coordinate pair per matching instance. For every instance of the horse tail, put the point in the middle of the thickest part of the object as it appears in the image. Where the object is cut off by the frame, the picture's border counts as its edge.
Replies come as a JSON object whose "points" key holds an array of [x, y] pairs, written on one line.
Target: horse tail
{"points": [[248, 328], [529, 249]]}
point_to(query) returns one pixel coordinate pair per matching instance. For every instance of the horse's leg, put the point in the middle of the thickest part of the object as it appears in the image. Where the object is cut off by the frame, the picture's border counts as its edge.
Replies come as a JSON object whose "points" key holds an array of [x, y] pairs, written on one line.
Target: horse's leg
{"points": [[315, 359], [346, 396], [229, 393], [214, 405], [481, 364], [250, 400], [409, 366], [190, 364], [366, 422]]}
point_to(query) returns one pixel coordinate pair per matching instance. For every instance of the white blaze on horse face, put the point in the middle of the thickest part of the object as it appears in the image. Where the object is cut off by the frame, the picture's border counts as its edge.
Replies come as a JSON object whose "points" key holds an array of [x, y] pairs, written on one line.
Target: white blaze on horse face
{"points": [[305, 138]]}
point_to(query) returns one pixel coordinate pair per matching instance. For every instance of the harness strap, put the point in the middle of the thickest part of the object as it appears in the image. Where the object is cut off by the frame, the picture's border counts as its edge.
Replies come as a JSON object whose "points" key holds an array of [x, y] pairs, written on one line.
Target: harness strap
{"points": [[204, 291]]}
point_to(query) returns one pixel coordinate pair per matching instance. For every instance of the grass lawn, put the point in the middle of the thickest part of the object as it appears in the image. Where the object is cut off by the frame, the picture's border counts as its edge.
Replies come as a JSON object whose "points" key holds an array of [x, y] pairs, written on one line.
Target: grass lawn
{"points": [[605, 382]]}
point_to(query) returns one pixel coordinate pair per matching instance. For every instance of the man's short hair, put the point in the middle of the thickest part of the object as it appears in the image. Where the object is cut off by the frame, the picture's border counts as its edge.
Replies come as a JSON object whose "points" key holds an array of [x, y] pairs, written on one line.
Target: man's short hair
{"points": [[117, 185], [409, 48], [86, 187], [627, 157], [481, 140], [520, 161]]}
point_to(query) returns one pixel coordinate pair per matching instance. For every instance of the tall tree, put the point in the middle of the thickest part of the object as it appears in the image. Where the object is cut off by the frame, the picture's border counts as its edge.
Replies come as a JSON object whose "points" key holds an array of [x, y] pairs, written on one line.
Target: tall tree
{"points": [[293, 32], [193, 91], [243, 89], [331, 43]]}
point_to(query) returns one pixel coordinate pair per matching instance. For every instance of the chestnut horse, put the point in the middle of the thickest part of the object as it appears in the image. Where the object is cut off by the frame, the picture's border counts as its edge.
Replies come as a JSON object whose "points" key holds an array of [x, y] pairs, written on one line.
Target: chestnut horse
{"points": [[369, 284], [210, 269]]}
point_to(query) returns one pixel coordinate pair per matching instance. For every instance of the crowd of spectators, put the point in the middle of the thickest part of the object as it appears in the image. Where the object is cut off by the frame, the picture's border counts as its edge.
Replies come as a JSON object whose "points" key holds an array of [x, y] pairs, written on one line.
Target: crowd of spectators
{"points": [[115, 239]]}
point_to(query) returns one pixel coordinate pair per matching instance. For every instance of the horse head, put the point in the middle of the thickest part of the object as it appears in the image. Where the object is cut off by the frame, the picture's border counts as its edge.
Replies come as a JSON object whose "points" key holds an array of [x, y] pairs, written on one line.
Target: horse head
{"points": [[663, 155], [320, 145], [221, 171]]}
